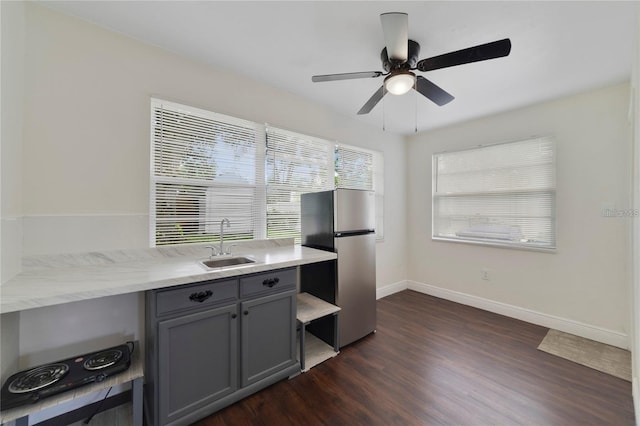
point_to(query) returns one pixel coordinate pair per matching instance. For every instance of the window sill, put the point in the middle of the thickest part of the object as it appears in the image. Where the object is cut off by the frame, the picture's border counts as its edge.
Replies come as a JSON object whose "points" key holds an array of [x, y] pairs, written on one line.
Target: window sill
{"points": [[496, 244]]}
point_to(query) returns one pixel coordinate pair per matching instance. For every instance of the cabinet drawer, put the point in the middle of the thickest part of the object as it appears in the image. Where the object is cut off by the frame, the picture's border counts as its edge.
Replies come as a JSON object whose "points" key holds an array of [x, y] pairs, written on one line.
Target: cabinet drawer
{"points": [[268, 282], [194, 296]]}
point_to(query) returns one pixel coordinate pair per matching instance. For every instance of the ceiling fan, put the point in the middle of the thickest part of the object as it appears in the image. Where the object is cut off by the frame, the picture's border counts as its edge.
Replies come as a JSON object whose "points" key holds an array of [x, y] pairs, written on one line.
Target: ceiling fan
{"points": [[400, 59]]}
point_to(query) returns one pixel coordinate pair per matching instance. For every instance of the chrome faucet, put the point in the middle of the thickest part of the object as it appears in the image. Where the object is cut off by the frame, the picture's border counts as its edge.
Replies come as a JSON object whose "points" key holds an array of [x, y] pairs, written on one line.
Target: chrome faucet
{"points": [[222, 222], [214, 249]]}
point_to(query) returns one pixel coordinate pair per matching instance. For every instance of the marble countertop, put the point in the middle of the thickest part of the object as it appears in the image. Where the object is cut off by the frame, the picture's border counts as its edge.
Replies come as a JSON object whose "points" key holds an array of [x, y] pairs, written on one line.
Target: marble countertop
{"points": [[58, 279]]}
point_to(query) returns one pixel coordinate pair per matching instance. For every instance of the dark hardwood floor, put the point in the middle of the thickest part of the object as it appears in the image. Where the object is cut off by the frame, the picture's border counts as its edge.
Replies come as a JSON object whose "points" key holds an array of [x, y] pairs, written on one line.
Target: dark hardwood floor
{"points": [[437, 362]]}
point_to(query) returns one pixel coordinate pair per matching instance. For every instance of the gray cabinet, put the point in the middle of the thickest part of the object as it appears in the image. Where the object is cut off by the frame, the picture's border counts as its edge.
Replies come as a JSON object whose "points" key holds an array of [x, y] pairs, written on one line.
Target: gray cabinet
{"points": [[210, 344], [197, 360], [267, 342]]}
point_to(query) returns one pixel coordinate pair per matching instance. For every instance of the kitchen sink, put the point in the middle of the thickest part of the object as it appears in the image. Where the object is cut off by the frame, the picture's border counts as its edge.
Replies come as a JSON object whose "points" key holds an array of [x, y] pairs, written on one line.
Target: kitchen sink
{"points": [[228, 262]]}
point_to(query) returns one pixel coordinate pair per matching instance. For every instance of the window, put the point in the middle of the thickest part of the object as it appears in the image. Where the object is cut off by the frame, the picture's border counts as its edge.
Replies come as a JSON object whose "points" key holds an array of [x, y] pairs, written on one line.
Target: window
{"points": [[500, 194], [358, 168], [205, 167], [208, 166], [295, 164], [298, 163]]}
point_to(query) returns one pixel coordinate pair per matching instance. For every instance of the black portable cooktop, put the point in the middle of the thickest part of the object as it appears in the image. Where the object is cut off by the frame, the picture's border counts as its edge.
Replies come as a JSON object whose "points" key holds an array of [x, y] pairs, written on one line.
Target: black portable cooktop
{"points": [[32, 385]]}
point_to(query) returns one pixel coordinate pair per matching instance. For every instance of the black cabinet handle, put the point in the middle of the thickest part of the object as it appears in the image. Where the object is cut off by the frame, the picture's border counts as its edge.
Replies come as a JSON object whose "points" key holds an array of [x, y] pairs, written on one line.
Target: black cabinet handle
{"points": [[233, 316], [200, 296], [270, 282], [246, 312]]}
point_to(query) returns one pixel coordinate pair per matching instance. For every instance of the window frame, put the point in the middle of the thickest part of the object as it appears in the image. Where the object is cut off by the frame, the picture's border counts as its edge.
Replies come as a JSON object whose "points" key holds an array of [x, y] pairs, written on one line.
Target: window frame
{"points": [[206, 184], [278, 147], [377, 183], [260, 186], [552, 248]]}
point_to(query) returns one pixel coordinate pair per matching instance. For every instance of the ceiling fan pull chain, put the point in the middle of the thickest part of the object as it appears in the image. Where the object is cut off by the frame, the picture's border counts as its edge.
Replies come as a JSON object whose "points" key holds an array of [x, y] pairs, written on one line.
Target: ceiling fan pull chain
{"points": [[383, 115], [415, 98]]}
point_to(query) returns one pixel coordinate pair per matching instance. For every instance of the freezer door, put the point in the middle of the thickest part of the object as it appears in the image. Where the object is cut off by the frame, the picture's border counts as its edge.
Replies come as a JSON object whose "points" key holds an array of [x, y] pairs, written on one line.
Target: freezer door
{"points": [[354, 210], [316, 214], [356, 288]]}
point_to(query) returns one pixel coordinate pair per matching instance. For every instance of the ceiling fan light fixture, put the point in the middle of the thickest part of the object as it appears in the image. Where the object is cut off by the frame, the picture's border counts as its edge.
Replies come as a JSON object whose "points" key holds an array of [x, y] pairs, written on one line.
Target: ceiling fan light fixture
{"points": [[399, 84]]}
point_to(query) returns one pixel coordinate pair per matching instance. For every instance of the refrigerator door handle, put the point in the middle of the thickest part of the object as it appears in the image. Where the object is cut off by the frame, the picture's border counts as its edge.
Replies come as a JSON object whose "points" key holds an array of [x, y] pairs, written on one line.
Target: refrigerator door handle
{"points": [[354, 233]]}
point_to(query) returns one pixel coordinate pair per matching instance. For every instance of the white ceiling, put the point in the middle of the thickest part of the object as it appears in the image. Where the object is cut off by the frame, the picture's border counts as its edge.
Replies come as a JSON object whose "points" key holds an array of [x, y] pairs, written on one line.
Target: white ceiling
{"points": [[558, 48]]}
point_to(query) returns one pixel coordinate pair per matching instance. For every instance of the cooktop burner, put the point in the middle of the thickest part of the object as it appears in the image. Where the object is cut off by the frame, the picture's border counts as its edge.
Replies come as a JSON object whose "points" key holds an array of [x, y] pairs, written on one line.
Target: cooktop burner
{"points": [[38, 378], [31, 385], [103, 359]]}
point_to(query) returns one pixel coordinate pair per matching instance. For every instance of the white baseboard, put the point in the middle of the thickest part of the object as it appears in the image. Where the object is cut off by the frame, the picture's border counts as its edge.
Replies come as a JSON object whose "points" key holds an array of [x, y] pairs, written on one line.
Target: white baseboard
{"points": [[388, 290], [610, 337]]}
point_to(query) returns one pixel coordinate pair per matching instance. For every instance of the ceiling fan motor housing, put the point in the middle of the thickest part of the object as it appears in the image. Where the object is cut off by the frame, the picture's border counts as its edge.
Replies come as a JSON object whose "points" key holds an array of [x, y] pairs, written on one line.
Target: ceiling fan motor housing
{"points": [[412, 58]]}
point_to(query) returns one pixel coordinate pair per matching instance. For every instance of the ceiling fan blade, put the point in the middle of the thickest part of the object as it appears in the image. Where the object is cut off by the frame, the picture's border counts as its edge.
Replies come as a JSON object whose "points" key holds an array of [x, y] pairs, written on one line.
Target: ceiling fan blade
{"points": [[432, 91], [346, 76], [373, 101], [495, 49], [395, 26]]}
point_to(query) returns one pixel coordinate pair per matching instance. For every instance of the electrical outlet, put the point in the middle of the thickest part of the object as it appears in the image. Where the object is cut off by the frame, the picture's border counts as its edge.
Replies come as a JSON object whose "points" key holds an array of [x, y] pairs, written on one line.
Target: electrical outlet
{"points": [[484, 274]]}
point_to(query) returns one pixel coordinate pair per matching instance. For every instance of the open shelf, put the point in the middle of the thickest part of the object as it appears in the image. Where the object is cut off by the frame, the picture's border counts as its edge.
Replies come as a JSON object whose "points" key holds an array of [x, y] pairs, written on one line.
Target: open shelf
{"points": [[311, 308], [316, 351], [312, 350]]}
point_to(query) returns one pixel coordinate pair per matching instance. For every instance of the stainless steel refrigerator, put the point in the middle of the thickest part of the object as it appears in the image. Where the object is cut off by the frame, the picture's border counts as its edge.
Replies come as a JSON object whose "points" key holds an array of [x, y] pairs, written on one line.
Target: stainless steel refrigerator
{"points": [[343, 221]]}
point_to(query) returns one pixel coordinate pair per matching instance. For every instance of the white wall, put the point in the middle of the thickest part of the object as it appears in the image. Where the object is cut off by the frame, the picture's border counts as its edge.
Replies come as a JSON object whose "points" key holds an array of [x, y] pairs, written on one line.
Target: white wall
{"points": [[586, 283], [87, 133], [635, 250], [11, 136], [86, 142], [11, 71]]}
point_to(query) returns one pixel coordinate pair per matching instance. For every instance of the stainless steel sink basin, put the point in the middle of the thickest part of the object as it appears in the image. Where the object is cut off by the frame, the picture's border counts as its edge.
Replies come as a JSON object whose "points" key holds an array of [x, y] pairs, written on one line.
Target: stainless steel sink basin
{"points": [[228, 262]]}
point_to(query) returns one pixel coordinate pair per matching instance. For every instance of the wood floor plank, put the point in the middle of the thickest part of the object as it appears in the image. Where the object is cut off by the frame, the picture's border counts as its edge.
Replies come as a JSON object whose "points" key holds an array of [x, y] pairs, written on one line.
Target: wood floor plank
{"points": [[435, 362]]}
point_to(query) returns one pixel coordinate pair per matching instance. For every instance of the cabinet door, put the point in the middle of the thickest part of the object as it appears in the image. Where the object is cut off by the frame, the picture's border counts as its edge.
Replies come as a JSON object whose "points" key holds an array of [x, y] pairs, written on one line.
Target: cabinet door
{"points": [[268, 336], [198, 355]]}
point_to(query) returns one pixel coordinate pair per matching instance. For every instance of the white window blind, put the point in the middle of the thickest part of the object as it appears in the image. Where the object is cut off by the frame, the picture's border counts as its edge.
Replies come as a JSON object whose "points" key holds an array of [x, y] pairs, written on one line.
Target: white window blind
{"points": [[205, 167], [296, 164], [354, 168], [359, 168], [500, 194]]}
